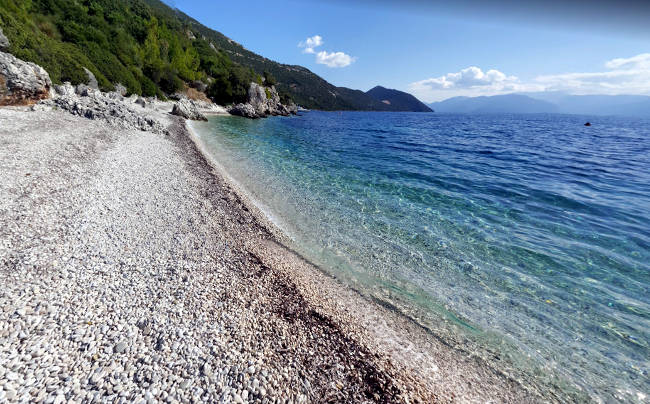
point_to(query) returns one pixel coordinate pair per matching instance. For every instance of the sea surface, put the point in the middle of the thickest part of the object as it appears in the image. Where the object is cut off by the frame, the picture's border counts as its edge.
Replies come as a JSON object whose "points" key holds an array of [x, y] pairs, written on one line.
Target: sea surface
{"points": [[523, 237]]}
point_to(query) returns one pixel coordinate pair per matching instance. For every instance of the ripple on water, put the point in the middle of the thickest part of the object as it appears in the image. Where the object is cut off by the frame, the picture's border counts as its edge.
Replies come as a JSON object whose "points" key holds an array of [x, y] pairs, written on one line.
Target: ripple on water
{"points": [[524, 235]]}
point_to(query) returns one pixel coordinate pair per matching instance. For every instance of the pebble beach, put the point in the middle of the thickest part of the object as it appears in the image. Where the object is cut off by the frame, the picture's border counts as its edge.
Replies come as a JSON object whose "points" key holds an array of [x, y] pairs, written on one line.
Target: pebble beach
{"points": [[133, 270]]}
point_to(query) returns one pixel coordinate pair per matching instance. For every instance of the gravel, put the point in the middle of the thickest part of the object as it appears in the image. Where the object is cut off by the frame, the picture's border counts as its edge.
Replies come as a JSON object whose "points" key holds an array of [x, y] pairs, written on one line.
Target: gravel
{"points": [[131, 271]]}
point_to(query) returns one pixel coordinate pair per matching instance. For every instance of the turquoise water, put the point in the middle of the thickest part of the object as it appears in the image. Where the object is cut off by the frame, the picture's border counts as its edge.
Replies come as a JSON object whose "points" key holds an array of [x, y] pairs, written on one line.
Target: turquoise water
{"points": [[523, 237]]}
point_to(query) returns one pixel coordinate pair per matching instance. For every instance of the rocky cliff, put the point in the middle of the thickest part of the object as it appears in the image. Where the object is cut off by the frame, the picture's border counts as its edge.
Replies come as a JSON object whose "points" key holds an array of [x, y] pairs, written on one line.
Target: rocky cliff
{"points": [[262, 102], [21, 83]]}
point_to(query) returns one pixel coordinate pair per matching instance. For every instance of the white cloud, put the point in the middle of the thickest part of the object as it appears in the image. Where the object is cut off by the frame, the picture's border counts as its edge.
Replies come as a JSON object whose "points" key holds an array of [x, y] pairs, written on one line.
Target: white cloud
{"points": [[620, 76], [468, 78], [624, 76], [329, 59], [334, 59], [641, 61], [310, 43], [471, 81]]}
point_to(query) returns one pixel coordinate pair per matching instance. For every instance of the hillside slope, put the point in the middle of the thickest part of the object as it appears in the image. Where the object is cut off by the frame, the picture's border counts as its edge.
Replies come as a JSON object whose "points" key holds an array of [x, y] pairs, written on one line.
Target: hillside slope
{"points": [[398, 100], [549, 102], [305, 87], [153, 49]]}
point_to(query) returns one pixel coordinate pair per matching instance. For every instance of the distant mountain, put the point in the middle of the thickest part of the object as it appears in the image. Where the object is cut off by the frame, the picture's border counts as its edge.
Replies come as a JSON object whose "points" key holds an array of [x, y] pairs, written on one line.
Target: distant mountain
{"points": [[624, 105], [398, 100], [549, 102], [508, 103]]}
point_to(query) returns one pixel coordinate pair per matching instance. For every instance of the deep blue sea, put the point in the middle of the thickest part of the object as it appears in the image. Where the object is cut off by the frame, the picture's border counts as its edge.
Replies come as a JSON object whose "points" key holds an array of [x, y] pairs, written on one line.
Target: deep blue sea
{"points": [[526, 237]]}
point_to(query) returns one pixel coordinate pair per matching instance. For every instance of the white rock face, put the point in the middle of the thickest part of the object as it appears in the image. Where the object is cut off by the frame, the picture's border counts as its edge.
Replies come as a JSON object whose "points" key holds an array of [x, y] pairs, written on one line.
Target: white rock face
{"points": [[22, 83], [92, 80], [261, 104], [65, 89], [109, 107], [188, 110], [4, 42]]}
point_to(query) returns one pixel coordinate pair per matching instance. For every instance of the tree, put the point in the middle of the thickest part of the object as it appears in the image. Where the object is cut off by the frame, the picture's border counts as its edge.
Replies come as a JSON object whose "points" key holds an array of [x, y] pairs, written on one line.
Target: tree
{"points": [[269, 80]]}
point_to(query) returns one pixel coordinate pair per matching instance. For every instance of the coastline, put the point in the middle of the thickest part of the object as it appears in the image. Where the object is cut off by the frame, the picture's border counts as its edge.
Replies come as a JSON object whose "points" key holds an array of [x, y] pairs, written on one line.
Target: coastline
{"points": [[134, 268], [417, 354]]}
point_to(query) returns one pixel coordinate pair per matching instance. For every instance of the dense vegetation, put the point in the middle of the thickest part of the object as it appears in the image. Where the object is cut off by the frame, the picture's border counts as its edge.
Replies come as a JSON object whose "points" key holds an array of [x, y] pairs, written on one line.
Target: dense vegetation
{"points": [[153, 49], [146, 49], [399, 100]]}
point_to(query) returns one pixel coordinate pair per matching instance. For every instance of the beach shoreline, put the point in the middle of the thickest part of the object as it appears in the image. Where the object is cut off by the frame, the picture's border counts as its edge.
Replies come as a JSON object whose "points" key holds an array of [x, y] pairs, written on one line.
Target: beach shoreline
{"points": [[405, 344], [134, 268]]}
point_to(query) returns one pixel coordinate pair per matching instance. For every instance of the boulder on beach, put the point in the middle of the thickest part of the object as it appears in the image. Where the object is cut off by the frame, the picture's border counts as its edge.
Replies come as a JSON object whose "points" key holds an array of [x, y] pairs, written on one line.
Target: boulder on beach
{"points": [[120, 89], [245, 110], [92, 80], [65, 89], [22, 83], [187, 109]]}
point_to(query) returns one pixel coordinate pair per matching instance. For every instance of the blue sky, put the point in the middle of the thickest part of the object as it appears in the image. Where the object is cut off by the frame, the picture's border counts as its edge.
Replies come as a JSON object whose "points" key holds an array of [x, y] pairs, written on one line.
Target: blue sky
{"points": [[435, 51]]}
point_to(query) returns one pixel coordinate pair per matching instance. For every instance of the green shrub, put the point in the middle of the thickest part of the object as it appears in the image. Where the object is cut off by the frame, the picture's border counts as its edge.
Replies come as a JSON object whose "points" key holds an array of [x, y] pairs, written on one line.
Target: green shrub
{"points": [[140, 43], [269, 80]]}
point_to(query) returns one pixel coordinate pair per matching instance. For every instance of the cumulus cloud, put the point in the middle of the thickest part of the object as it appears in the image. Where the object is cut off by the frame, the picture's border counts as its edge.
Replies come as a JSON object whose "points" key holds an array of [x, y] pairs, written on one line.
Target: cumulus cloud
{"points": [[472, 81], [623, 76], [641, 61], [620, 76], [468, 78], [329, 59], [334, 59], [310, 43]]}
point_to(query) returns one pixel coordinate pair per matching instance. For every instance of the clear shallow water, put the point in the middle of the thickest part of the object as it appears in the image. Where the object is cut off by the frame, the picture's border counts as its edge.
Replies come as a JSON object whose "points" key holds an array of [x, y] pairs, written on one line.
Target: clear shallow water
{"points": [[525, 238]]}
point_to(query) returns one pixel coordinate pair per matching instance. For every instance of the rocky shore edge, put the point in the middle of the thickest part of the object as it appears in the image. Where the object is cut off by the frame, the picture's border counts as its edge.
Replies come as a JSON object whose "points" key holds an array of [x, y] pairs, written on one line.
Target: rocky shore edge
{"points": [[24, 83]]}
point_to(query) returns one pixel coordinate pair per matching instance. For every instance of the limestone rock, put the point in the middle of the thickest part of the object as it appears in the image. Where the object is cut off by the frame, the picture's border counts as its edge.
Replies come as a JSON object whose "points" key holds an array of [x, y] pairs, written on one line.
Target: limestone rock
{"points": [[4, 42], [262, 102], [245, 110], [188, 110], [120, 89], [109, 107], [86, 91], [65, 89], [92, 80], [22, 83]]}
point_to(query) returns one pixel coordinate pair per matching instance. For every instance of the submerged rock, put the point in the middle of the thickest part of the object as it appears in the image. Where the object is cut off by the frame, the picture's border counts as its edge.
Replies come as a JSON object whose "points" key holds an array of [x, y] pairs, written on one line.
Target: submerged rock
{"points": [[22, 83]]}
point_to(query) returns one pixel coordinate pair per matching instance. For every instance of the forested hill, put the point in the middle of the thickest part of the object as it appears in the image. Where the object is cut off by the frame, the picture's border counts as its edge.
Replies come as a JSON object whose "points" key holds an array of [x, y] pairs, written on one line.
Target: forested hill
{"points": [[153, 49], [399, 100]]}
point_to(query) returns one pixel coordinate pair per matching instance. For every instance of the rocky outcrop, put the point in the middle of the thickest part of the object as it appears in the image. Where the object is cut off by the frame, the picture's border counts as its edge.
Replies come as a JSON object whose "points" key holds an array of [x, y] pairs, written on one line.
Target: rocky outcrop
{"points": [[92, 80], [262, 102], [110, 107], [22, 83], [4, 42], [65, 89], [245, 110], [188, 110], [120, 89]]}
